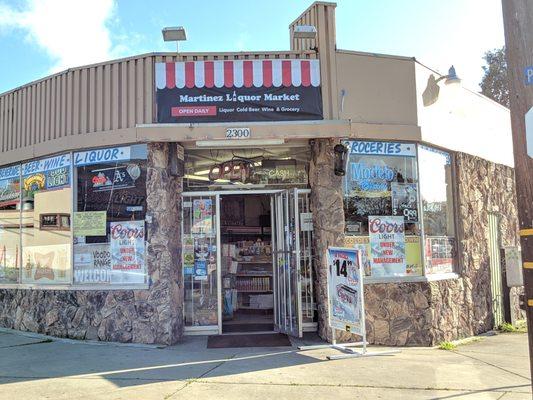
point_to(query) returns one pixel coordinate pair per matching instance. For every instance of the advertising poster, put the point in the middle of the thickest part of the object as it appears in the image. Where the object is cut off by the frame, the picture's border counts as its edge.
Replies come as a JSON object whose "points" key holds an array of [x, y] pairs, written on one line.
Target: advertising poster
{"points": [[46, 264], [387, 245], [127, 252], [188, 255], [202, 216], [202, 256], [89, 223], [345, 290], [238, 90], [412, 253], [369, 178], [405, 200], [92, 263], [9, 186], [116, 177]]}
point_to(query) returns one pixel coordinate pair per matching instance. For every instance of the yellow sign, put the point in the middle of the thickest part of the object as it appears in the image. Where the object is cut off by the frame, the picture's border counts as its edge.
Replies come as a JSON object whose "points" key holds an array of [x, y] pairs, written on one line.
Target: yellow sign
{"points": [[90, 223], [34, 182], [412, 252]]}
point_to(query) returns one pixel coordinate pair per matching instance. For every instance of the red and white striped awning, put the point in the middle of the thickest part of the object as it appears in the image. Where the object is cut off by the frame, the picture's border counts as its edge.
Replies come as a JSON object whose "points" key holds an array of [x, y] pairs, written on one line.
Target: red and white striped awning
{"points": [[237, 73]]}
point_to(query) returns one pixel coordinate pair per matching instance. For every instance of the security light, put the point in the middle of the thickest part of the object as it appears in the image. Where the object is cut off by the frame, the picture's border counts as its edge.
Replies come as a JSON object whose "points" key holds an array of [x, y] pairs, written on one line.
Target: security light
{"points": [[174, 34], [304, 32]]}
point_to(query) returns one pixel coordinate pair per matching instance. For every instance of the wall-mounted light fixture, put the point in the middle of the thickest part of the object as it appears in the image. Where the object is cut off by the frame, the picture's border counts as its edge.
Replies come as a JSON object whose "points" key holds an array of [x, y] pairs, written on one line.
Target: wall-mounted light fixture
{"points": [[341, 158], [174, 34], [431, 92]]}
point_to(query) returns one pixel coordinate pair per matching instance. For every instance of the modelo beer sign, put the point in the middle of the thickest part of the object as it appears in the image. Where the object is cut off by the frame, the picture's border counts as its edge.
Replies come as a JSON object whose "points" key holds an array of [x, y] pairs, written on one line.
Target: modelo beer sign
{"points": [[238, 90]]}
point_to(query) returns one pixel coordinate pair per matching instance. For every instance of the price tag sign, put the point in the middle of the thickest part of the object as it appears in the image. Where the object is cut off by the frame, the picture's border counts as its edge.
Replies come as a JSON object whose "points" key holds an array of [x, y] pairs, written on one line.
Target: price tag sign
{"points": [[345, 290], [238, 133]]}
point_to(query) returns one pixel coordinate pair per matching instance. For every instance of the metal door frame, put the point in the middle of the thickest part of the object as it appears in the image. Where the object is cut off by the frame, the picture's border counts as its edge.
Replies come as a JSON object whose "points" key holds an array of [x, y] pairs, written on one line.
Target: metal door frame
{"points": [[216, 329], [496, 284]]}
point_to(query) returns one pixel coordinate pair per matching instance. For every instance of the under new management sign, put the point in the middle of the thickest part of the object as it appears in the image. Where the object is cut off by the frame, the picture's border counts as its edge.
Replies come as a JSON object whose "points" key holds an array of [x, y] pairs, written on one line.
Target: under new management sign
{"points": [[238, 90]]}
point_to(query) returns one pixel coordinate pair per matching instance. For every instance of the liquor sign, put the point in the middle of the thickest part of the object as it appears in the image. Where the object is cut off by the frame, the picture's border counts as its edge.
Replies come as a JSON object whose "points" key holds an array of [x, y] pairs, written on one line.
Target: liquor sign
{"points": [[238, 90], [345, 290], [387, 245]]}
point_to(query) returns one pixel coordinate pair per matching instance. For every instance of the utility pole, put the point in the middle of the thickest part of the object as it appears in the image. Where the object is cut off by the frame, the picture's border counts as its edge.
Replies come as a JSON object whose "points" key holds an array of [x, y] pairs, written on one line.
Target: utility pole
{"points": [[518, 23]]}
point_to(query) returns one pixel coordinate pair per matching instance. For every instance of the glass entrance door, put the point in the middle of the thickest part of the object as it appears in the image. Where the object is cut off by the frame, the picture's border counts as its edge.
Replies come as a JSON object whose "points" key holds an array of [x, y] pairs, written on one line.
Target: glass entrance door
{"points": [[286, 251], [200, 260]]}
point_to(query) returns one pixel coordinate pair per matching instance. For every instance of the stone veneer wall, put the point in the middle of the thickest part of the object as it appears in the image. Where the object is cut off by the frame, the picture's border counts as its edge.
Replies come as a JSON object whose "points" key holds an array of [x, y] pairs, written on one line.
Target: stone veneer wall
{"points": [[464, 306], [141, 316], [424, 313]]}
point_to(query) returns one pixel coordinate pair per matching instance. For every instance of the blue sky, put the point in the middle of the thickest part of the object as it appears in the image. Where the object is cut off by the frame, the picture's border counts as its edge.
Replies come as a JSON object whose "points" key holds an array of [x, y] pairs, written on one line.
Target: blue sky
{"points": [[38, 37]]}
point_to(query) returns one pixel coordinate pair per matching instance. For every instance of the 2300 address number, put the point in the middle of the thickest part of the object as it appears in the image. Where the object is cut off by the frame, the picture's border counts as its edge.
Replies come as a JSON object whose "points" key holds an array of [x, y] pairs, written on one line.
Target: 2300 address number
{"points": [[238, 133]]}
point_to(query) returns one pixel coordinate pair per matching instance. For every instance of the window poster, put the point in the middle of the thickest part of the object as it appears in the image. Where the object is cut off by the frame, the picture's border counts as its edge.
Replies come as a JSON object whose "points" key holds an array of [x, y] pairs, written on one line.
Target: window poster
{"points": [[46, 264], [90, 223], [114, 177], [204, 257], [412, 253], [369, 178], [92, 263], [9, 186], [345, 290], [405, 200], [202, 216], [387, 245], [127, 252], [188, 255]]}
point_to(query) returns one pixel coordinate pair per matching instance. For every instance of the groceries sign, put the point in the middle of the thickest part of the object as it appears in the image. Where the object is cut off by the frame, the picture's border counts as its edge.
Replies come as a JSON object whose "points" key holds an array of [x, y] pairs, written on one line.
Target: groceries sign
{"points": [[238, 90]]}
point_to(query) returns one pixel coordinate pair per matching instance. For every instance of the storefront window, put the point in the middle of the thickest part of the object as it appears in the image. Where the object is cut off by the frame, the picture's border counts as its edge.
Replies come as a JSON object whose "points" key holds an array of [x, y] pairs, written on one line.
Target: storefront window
{"points": [[381, 207], [199, 254], [10, 224], [279, 167], [437, 202], [46, 191], [109, 222]]}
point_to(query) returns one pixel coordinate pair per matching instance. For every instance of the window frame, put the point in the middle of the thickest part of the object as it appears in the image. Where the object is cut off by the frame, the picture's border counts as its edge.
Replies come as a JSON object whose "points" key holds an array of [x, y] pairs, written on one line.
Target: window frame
{"points": [[457, 266], [73, 201], [59, 226]]}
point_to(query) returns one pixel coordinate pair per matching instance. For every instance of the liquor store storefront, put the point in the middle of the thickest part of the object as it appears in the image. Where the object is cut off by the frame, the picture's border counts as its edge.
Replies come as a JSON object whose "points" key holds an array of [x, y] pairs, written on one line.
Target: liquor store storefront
{"points": [[168, 194]]}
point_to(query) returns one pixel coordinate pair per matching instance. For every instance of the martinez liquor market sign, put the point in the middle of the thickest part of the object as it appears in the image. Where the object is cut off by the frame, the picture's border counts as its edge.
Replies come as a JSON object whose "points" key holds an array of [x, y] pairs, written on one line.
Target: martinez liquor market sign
{"points": [[238, 90]]}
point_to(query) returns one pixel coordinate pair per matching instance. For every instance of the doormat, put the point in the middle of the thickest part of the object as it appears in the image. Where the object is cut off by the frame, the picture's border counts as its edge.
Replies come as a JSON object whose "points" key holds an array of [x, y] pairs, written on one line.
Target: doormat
{"points": [[257, 327], [259, 340]]}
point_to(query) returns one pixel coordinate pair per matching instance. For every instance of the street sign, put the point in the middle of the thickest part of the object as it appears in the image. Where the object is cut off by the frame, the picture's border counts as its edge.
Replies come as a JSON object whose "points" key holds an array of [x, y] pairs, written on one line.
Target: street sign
{"points": [[528, 72], [529, 132]]}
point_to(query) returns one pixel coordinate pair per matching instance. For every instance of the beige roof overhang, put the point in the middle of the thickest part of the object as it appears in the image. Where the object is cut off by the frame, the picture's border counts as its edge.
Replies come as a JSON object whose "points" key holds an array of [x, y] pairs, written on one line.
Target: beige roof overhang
{"points": [[276, 130], [190, 133]]}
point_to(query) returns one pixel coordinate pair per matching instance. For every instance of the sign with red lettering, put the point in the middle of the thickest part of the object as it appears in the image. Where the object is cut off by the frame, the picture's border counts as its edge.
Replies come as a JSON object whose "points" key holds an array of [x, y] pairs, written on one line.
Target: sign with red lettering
{"points": [[127, 252], [387, 245]]}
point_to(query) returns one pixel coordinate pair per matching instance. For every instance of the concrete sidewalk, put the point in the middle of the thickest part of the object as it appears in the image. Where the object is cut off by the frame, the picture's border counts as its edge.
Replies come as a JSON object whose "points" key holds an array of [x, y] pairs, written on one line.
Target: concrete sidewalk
{"points": [[496, 367]]}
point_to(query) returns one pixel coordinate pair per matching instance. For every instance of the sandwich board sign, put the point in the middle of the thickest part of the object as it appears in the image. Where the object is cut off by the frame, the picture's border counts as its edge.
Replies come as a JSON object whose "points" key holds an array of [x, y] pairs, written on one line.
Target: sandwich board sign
{"points": [[345, 288], [346, 303]]}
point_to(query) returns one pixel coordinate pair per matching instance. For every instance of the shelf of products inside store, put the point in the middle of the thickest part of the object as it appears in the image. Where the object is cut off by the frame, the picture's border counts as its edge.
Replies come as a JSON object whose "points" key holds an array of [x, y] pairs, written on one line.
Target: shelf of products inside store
{"points": [[247, 269]]}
